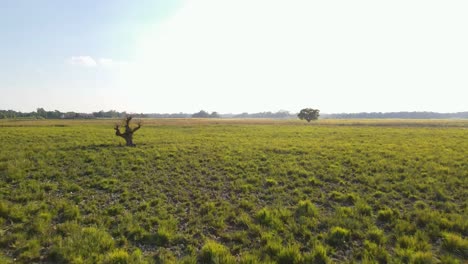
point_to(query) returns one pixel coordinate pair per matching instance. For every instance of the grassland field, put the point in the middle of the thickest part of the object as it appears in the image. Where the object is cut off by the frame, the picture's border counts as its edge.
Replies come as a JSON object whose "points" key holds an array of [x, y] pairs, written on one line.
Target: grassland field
{"points": [[234, 191]]}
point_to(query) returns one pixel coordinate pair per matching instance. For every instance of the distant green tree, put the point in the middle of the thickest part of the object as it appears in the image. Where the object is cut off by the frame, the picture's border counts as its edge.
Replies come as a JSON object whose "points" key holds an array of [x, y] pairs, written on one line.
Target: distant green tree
{"points": [[41, 112], [309, 114], [53, 114], [214, 115], [201, 114]]}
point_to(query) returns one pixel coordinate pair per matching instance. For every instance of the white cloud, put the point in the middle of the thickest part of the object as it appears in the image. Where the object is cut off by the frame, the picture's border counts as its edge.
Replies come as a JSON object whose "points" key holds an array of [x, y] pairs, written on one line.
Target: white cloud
{"points": [[86, 61]]}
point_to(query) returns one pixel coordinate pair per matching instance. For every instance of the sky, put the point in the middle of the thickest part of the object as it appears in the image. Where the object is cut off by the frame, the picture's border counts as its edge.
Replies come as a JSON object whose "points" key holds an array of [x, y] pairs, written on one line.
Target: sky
{"points": [[234, 56]]}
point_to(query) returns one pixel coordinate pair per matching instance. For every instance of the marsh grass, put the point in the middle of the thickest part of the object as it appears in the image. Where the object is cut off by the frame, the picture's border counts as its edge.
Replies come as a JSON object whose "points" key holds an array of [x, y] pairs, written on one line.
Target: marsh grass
{"points": [[228, 191]]}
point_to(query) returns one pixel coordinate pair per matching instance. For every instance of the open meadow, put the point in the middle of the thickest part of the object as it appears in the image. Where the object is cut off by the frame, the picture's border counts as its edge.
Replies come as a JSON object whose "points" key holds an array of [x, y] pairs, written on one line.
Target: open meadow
{"points": [[227, 191]]}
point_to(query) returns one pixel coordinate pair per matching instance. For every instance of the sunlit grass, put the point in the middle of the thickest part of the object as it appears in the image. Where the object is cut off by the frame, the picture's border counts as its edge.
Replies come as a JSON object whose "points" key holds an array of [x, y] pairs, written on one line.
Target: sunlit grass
{"points": [[248, 191]]}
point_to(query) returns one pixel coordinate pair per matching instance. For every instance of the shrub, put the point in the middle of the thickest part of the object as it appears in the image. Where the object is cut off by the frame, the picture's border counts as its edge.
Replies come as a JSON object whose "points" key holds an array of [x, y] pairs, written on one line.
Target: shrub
{"points": [[318, 255], [337, 196], [68, 228], [208, 208], [7, 260], [425, 217], [249, 259], [420, 205], [246, 205], [363, 208], [439, 195], [41, 223], [338, 236], [306, 208], [271, 182], [407, 242], [69, 212], [214, 253], [447, 259], [30, 251], [115, 210], [422, 258], [289, 255], [403, 227], [265, 217], [161, 238], [136, 232], [273, 248], [190, 259], [12, 212], [137, 257], [4, 209], [349, 198], [376, 235], [144, 206], [385, 215], [404, 255], [375, 253], [455, 244], [88, 243], [164, 256], [118, 256], [314, 181]]}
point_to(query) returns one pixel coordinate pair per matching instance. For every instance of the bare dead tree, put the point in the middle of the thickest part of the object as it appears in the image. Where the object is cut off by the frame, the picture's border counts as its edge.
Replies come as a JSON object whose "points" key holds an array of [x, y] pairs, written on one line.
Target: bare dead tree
{"points": [[128, 134]]}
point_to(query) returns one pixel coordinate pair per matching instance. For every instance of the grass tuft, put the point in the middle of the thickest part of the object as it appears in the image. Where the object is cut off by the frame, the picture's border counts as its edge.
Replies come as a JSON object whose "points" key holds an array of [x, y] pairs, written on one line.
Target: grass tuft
{"points": [[214, 253]]}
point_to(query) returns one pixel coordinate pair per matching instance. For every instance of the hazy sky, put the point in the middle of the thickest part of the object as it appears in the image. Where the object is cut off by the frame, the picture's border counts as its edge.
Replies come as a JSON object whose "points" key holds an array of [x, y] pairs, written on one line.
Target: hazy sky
{"points": [[234, 56]]}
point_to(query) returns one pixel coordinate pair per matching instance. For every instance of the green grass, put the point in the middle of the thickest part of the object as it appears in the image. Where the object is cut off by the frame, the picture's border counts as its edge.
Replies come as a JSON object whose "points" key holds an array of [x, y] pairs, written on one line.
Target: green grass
{"points": [[235, 191]]}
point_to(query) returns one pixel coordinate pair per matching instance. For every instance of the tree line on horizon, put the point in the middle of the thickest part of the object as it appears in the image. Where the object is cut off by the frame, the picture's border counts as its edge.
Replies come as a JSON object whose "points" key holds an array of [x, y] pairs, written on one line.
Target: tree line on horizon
{"points": [[41, 113], [397, 115]]}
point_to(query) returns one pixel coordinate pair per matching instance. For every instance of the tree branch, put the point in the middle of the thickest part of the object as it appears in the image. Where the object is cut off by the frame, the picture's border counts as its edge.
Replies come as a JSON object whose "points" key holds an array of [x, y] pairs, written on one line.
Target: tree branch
{"points": [[127, 121], [117, 131], [138, 127]]}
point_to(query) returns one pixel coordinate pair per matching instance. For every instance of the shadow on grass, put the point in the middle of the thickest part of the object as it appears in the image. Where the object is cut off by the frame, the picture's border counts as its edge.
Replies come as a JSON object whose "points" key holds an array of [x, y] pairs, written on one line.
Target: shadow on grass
{"points": [[98, 147]]}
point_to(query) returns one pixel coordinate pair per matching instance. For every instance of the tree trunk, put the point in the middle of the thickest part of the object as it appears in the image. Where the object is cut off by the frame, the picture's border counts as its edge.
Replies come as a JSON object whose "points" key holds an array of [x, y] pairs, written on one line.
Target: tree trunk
{"points": [[128, 134], [129, 139]]}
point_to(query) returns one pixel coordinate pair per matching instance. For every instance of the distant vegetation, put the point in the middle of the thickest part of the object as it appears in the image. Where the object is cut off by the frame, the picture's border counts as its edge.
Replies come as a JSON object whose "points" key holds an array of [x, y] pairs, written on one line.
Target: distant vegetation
{"points": [[204, 114], [40, 113], [245, 191], [274, 115], [309, 114], [399, 115]]}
